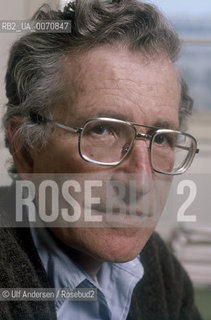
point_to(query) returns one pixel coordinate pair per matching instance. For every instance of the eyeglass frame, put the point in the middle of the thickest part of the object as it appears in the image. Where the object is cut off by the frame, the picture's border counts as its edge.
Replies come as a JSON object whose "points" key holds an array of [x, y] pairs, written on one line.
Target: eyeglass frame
{"points": [[39, 119]]}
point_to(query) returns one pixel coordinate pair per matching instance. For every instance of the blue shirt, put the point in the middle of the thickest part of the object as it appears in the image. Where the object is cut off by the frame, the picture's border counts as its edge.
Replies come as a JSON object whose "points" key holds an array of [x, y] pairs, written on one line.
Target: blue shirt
{"points": [[115, 282]]}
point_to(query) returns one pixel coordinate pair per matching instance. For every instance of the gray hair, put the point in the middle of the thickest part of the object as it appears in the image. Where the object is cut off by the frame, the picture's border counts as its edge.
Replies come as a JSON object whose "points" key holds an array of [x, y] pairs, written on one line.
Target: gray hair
{"points": [[33, 80]]}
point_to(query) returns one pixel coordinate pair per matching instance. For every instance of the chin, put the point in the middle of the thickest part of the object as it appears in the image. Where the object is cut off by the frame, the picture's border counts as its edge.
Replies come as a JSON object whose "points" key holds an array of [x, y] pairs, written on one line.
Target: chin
{"points": [[105, 244], [116, 245]]}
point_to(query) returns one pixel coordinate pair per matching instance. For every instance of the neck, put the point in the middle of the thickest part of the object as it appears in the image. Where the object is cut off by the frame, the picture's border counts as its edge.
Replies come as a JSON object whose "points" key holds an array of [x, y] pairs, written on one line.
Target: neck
{"points": [[89, 264]]}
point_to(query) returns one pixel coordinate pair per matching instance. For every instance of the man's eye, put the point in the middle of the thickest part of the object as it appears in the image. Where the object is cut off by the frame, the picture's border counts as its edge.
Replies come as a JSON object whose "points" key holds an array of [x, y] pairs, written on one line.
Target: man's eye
{"points": [[163, 139], [100, 129]]}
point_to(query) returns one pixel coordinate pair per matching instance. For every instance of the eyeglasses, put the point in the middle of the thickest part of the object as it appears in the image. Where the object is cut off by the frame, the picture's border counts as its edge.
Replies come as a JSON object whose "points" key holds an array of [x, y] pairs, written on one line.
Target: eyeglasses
{"points": [[108, 141]]}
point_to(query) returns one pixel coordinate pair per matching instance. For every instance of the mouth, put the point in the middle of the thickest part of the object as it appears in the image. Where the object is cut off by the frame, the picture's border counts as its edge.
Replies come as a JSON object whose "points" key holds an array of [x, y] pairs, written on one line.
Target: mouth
{"points": [[103, 209], [123, 216]]}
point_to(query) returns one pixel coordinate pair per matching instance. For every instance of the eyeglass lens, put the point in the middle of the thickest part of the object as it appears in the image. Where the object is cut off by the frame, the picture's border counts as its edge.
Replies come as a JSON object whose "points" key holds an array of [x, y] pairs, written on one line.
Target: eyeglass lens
{"points": [[106, 141], [171, 151], [109, 141]]}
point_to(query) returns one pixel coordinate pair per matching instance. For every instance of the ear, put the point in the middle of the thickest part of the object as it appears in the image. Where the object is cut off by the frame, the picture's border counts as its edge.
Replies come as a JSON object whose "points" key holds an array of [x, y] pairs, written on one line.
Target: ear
{"points": [[21, 154]]}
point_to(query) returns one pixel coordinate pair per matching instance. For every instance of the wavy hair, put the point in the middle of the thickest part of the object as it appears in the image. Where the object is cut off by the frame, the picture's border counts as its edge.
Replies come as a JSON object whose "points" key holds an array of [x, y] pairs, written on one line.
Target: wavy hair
{"points": [[33, 79]]}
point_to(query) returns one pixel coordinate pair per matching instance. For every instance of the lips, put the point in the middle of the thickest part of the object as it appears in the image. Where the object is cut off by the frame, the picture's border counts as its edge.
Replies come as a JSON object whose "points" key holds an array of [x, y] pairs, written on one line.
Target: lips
{"points": [[117, 210], [124, 210], [122, 216]]}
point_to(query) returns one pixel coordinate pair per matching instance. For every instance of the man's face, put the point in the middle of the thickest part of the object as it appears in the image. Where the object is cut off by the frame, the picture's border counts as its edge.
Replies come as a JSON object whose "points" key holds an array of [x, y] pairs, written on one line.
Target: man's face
{"points": [[112, 82]]}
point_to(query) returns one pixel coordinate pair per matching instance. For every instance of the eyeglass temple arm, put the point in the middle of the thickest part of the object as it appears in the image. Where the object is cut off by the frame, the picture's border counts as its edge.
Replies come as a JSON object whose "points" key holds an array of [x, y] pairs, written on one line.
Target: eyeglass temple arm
{"points": [[36, 118], [63, 126], [185, 148]]}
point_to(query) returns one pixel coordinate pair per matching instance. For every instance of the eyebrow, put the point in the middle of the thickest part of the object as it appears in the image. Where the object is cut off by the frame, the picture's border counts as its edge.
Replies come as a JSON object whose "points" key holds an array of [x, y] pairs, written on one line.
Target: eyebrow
{"points": [[110, 114], [165, 125], [118, 115]]}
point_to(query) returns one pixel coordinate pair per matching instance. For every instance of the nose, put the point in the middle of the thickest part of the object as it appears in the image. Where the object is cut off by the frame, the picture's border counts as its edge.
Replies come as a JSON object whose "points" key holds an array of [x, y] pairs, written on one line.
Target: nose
{"points": [[136, 167], [138, 159]]}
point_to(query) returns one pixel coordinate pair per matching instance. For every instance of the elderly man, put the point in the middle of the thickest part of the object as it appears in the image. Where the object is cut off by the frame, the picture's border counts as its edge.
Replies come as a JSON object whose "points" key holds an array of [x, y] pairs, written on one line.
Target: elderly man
{"points": [[103, 102]]}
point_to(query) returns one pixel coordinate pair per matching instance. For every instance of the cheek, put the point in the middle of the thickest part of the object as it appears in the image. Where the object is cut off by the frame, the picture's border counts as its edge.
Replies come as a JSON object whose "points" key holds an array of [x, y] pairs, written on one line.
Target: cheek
{"points": [[59, 156], [162, 185]]}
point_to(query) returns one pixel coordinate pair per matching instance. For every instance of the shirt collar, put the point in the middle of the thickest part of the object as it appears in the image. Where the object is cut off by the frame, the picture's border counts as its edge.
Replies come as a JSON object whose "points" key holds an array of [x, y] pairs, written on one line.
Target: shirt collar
{"points": [[118, 278]]}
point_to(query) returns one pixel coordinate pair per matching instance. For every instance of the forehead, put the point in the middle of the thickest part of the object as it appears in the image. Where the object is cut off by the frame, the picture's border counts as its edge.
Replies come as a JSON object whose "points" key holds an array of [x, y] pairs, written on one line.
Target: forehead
{"points": [[112, 80]]}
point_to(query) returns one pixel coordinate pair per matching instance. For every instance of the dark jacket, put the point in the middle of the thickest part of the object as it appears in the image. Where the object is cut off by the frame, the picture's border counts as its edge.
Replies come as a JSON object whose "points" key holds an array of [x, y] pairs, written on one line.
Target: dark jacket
{"points": [[164, 292]]}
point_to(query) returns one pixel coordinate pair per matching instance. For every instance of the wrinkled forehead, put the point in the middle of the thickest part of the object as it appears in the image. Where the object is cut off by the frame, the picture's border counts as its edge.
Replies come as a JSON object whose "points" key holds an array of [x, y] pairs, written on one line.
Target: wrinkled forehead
{"points": [[114, 75]]}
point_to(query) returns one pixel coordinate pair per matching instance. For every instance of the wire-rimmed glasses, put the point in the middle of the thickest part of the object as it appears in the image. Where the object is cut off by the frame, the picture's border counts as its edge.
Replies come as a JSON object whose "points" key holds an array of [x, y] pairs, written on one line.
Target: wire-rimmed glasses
{"points": [[108, 141]]}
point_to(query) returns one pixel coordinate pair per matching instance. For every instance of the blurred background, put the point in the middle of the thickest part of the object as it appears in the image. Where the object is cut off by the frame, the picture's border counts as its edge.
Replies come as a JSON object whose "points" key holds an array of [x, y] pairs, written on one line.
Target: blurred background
{"points": [[190, 241]]}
